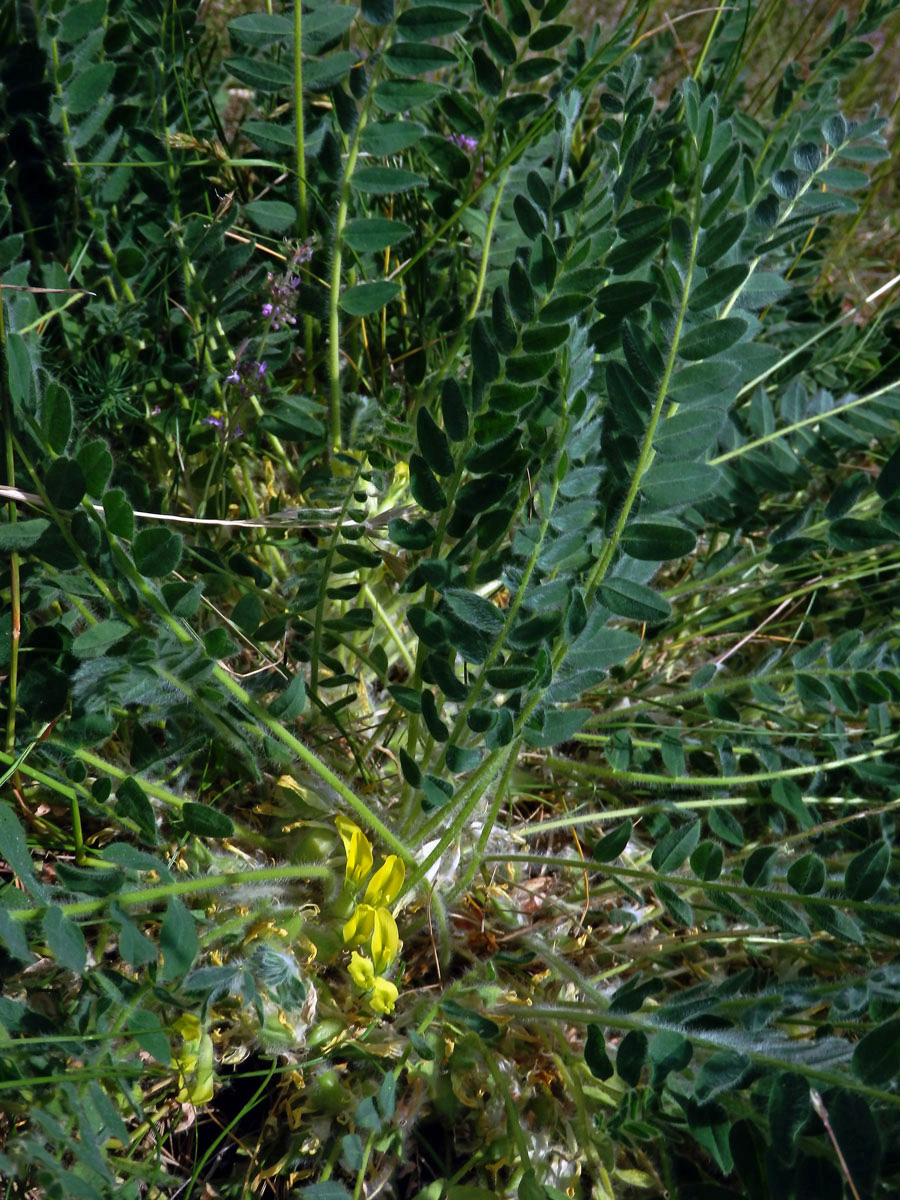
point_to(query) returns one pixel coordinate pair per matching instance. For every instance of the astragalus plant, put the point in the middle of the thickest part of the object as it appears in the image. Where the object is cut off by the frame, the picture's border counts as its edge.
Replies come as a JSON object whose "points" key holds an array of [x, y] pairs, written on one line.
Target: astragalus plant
{"points": [[449, 584]]}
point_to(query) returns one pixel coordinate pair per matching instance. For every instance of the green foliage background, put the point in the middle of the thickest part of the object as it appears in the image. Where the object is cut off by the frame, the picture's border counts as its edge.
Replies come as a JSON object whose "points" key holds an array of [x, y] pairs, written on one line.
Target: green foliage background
{"points": [[440, 415]]}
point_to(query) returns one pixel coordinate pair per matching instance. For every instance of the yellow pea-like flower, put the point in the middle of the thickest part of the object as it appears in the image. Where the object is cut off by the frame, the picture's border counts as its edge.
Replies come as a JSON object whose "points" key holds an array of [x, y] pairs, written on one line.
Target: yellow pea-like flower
{"points": [[359, 928], [384, 996], [362, 972], [357, 847], [385, 940], [194, 1063], [385, 884]]}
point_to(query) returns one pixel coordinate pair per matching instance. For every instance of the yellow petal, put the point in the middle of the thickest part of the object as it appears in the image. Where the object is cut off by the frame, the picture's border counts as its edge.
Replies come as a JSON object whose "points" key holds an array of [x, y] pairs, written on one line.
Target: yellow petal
{"points": [[384, 996], [385, 940], [361, 971], [188, 1026], [385, 884], [357, 847], [359, 928]]}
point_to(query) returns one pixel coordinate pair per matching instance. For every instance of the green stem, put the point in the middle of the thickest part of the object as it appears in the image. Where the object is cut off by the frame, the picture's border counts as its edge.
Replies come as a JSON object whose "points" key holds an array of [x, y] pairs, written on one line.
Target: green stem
{"points": [[334, 297], [646, 455], [816, 419], [718, 781], [300, 141], [15, 597], [300, 147], [489, 233], [754, 263], [185, 887], [487, 828]]}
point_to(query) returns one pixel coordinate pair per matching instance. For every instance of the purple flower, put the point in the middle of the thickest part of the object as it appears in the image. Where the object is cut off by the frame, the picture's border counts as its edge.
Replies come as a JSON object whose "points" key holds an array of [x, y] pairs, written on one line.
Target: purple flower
{"points": [[234, 377], [217, 421], [261, 368], [463, 141]]}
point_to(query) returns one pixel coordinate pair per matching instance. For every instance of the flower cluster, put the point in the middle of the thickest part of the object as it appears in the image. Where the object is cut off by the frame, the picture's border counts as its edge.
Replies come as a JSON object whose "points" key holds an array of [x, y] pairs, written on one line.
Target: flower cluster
{"points": [[371, 924], [249, 376], [463, 141], [279, 308]]}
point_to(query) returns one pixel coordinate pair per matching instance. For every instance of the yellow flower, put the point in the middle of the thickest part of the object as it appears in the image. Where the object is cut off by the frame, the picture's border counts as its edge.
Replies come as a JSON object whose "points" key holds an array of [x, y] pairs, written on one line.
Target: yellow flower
{"points": [[385, 940], [194, 1063], [385, 884], [357, 847], [384, 996], [359, 928], [361, 971]]}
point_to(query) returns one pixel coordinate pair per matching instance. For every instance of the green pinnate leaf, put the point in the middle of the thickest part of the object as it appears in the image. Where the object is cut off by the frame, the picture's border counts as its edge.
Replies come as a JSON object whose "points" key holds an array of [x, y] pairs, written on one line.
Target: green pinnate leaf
{"points": [[673, 849], [178, 941], [367, 298], [788, 1111], [65, 483], [378, 12], [595, 1055], [22, 535], [371, 234], [498, 40], [485, 359], [517, 17], [418, 58], [56, 416], [89, 881], [271, 216], [488, 78], [474, 610], [97, 639], [119, 514], [634, 600], [262, 75], [786, 184], [400, 95], [410, 768], [265, 29], [504, 330], [834, 130], [205, 821], [876, 1057], [657, 541], [132, 804], [426, 21], [433, 444], [88, 87], [612, 844], [65, 939], [711, 338], [321, 26], [96, 462], [631, 1056], [668, 1051], [157, 551], [707, 861], [718, 286], [723, 1072], [14, 850], [384, 181], [808, 157], [866, 871], [426, 491]]}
